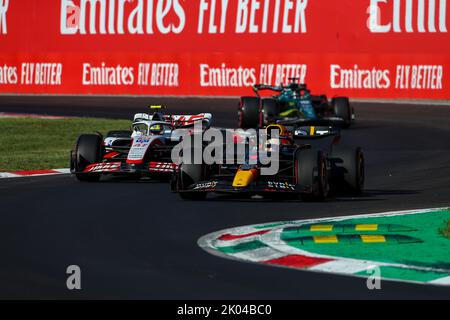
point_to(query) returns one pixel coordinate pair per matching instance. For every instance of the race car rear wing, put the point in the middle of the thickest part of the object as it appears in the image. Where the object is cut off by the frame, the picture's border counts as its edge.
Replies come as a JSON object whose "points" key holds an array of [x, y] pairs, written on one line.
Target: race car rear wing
{"points": [[142, 117], [180, 121]]}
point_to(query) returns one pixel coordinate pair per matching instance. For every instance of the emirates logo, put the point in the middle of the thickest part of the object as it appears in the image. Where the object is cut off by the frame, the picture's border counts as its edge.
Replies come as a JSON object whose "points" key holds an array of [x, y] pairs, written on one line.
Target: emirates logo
{"points": [[407, 16]]}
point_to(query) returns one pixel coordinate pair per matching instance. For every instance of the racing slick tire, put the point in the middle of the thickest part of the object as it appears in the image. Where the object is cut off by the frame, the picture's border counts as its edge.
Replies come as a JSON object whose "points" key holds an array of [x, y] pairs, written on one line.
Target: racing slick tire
{"points": [[270, 109], [189, 174], [88, 150], [310, 171], [249, 115], [347, 170], [342, 109]]}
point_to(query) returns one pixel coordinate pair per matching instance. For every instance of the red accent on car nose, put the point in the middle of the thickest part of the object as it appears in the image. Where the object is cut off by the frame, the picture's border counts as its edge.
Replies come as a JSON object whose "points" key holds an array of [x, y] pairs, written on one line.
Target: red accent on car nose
{"points": [[111, 155]]}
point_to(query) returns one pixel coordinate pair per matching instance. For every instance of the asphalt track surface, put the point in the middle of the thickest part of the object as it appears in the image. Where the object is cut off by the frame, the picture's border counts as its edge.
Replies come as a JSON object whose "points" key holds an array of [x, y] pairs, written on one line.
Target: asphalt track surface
{"points": [[138, 240]]}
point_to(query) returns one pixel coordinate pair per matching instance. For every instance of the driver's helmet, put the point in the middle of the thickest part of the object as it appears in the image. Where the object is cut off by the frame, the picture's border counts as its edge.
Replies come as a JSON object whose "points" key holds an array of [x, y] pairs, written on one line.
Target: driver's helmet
{"points": [[294, 87], [297, 90], [288, 93], [156, 129]]}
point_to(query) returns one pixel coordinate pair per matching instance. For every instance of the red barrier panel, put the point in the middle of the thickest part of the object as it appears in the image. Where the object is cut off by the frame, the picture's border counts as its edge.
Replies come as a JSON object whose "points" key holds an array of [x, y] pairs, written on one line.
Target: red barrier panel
{"points": [[360, 48]]}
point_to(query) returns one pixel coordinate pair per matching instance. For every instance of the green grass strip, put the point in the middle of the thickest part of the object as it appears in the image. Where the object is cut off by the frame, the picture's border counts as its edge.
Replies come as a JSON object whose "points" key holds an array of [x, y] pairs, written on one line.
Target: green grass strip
{"points": [[33, 144]]}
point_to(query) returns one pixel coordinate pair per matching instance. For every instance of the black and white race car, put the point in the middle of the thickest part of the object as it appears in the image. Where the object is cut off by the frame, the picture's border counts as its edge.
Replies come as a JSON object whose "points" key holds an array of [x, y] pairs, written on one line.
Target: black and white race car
{"points": [[145, 150]]}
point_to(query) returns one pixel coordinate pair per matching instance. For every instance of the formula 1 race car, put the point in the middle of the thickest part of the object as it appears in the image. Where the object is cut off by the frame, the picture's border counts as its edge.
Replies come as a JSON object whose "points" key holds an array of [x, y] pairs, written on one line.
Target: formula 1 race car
{"points": [[143, 151], [293, 105], [311, 165]]}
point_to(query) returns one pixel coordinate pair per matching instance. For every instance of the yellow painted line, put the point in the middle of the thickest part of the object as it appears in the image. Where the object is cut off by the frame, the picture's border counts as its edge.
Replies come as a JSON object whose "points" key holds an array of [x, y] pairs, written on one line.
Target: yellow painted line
{"points": [[366, 227], [371, 238], [326, 239], [311, 130], [321, 227]]}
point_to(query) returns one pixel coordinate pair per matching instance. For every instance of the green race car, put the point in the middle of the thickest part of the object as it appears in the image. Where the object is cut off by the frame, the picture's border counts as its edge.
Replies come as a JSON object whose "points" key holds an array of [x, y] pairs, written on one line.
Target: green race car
{"points": [[293, 105]]}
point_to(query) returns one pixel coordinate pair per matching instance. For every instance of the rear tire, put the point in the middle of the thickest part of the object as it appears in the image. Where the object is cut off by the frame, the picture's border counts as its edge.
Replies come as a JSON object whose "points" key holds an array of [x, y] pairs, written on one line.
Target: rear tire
{"points": [[342, 109], [88, 150], [270, 109], [249, 115], [311, 172], [347, 167]]}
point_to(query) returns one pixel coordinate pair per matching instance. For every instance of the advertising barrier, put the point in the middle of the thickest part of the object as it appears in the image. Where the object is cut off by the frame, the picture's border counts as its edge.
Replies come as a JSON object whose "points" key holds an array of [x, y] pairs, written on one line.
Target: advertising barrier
{"points": [[361, 48]]}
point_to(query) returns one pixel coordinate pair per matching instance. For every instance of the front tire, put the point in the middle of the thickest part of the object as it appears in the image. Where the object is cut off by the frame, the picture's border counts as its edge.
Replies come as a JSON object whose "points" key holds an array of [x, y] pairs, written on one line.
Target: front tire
{"points": [[88, 150], [188, 175]]}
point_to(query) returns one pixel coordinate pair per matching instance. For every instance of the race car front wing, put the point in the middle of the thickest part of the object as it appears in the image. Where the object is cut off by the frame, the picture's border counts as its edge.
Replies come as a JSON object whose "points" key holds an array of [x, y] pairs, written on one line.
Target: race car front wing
{"points": [[256, 187], [129, 168]]}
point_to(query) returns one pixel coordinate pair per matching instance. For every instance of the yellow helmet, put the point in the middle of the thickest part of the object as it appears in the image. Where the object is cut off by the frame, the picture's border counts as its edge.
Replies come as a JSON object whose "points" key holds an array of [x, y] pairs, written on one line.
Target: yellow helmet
{"points": [[156, 129], [282, 131]]}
